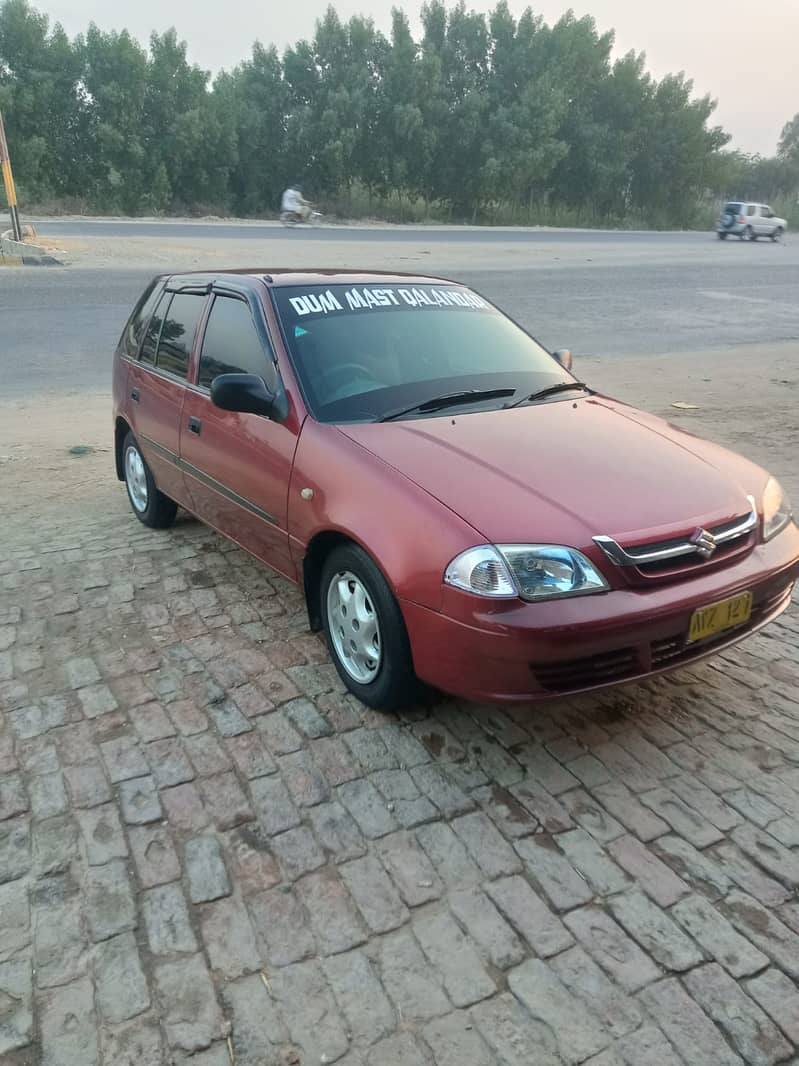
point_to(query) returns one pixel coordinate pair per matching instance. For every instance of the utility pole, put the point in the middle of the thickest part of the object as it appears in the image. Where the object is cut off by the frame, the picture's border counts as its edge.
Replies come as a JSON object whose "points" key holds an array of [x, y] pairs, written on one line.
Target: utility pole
{"points": [[8, 181]]}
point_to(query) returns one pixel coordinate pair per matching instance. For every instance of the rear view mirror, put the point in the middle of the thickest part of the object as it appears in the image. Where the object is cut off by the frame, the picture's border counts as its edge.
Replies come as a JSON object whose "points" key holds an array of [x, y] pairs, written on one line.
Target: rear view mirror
{"points": [[564, 357], [246, 393]]}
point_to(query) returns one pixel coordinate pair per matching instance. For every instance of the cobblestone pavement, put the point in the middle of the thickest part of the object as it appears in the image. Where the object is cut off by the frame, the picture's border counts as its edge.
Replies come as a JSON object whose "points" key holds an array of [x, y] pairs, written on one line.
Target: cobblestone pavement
{"points": [[209, 854]]}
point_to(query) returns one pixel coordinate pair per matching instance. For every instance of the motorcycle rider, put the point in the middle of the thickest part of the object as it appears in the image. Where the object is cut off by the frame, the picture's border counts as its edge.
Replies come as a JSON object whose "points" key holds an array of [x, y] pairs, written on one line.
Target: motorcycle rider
{"points": [[294, 203]]}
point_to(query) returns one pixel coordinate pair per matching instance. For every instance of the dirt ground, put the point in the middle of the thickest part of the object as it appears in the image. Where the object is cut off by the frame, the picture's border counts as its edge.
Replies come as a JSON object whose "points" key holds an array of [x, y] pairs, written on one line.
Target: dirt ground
{"points": [[60, 444]]}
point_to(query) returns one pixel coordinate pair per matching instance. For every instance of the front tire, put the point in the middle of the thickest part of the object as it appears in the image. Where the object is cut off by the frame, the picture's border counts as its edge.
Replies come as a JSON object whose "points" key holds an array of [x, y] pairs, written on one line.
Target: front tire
{"points": [[777, 234], [365, 630], [150, 506]]}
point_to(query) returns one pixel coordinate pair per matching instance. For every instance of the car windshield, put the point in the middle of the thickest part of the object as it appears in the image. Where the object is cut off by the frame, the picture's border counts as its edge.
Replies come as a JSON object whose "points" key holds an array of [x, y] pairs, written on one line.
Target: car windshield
{"points": [[733, 208], [364, 352]]}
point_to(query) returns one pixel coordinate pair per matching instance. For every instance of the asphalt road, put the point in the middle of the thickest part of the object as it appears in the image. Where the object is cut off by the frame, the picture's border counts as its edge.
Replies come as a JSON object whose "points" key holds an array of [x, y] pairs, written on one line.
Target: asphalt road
{"points": [[337, 233], [58, 326]]}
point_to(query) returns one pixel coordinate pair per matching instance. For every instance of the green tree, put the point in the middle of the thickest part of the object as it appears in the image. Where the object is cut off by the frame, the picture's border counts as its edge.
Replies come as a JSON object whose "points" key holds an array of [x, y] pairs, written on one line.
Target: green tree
{"points": [[334, 120], [788, 148], [253, 100], [526, 108], [454, 104], [40, 97], [679, 158], [403, 144], [480, 114], [115, 82], [185, 140]]}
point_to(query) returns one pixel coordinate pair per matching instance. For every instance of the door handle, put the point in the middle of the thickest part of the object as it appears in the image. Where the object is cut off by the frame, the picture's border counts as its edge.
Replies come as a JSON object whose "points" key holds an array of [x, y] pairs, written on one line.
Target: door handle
{"points": [[134, 395], [194, 425]]}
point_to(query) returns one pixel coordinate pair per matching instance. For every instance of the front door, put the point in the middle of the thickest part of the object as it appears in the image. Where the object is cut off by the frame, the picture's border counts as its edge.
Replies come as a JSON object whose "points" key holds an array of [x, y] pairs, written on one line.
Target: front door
{"points": [[157, 386], [237, 466]]}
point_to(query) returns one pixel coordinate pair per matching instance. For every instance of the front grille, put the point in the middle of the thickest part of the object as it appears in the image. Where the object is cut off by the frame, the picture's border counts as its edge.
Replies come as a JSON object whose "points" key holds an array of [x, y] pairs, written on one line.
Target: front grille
{"points": [[683, 563], [610, 667], [681, 555]]}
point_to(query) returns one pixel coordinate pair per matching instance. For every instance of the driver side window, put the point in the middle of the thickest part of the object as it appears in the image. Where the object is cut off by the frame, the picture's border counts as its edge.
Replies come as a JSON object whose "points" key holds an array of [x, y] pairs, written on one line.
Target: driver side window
{"points": [[231, 344]]}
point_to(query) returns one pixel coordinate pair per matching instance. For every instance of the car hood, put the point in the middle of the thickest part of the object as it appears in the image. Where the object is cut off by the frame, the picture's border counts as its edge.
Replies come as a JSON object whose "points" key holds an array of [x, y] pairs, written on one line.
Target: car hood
{"points": [[566, 471]]}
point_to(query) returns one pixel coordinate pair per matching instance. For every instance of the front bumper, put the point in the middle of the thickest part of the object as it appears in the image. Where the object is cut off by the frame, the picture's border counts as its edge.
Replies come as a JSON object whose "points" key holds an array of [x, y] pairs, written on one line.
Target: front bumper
{"points": [[510, 651]]}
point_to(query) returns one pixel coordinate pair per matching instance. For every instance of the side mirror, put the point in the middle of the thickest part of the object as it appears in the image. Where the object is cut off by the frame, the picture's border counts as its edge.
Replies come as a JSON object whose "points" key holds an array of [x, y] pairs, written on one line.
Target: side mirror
{"points": [[564, 357], [248, 394]]}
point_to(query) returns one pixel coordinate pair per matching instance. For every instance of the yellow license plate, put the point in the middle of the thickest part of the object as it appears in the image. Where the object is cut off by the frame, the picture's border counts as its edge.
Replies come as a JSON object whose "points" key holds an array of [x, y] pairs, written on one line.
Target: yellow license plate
{"points": [[708, 621]]}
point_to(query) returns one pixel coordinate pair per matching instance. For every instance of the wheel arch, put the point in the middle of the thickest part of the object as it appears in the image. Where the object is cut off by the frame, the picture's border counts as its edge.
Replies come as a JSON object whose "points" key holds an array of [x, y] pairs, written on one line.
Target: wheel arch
{"points": [[318, 549], [121, 430]]}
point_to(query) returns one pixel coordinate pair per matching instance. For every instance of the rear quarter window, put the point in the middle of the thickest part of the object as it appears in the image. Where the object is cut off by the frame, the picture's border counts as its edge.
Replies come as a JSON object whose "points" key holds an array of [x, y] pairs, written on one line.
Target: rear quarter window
{"points": [[133, 333], [177, 333], [153, 331]]}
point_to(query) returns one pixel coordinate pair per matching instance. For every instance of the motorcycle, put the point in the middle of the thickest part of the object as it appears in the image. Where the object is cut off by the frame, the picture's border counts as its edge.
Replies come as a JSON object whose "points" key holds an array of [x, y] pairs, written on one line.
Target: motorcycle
{"points": [[294, 218]]}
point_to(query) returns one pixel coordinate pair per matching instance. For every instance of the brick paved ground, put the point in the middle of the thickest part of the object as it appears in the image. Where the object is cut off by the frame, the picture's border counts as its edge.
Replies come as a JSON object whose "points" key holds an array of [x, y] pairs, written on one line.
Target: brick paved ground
{"points": [[210, 854]]}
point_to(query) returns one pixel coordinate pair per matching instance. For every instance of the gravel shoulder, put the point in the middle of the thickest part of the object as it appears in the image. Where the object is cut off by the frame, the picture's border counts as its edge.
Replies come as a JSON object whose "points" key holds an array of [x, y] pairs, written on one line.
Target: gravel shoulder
{"points": [[745, 398]]}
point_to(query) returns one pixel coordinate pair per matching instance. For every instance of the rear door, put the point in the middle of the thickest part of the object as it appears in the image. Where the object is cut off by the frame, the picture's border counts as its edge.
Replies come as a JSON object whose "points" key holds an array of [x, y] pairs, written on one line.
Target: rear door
{"points": [[157, 385], [237, 466]]}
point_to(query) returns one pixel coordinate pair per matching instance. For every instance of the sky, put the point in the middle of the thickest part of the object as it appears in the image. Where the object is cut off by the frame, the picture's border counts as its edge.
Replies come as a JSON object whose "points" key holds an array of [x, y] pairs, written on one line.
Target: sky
{"points": [[746, 59]]}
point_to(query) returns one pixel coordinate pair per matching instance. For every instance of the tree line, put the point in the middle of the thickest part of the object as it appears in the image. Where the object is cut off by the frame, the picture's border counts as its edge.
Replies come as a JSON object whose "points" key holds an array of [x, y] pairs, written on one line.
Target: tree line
{"points": [[484, 117]]}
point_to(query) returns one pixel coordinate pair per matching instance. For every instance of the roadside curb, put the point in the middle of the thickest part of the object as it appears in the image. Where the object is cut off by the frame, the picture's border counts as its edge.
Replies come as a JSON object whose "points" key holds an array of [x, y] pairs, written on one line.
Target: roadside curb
{"points": [[20, 253]]}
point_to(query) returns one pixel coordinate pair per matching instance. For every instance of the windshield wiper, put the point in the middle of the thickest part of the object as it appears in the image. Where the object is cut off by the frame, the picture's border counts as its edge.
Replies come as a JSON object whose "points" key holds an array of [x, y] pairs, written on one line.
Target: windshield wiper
{"points": [[550, 390], [451, 399]]}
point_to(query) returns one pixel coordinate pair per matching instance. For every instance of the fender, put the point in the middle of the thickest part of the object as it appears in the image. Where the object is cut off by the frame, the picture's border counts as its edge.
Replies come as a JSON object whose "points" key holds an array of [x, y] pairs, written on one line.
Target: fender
{"points": [[338, 486]]}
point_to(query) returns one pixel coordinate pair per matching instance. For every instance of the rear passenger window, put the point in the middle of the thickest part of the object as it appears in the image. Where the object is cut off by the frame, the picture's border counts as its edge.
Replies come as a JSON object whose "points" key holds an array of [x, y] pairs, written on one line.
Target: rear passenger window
{"points": [[177, 333], [231, 344], [154, 330], [134, 330], [750, 209]]}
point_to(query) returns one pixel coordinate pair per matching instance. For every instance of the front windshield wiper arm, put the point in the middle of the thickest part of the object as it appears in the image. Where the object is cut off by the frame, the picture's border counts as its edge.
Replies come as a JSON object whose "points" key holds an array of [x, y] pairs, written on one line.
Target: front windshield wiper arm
{"points": [[550, 390], [451, 399]]}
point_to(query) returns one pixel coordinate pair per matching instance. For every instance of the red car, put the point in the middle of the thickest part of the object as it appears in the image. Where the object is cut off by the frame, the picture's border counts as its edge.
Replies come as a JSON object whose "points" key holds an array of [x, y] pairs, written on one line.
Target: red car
{"points": [[457, 507]]}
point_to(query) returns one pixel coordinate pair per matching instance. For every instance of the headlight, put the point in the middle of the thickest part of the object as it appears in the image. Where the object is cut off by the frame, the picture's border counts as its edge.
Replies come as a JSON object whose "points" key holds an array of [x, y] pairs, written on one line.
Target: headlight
{"points": [[531, 571], [776, 509]]}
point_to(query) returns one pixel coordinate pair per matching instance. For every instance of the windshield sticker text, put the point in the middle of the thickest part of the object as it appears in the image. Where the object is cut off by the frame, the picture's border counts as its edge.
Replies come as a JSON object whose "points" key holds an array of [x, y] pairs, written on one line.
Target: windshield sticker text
{"points": [[364, 299]]}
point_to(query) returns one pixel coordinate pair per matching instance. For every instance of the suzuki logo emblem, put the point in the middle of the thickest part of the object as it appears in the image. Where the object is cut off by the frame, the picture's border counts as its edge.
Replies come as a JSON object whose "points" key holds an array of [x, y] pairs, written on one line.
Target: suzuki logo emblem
{"points": [[704, 542]]}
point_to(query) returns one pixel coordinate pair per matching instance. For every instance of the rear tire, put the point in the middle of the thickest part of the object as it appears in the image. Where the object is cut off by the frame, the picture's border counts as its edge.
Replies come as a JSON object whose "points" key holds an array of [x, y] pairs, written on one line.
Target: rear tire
{"points": [[722, 236], [365, 631], [150, 506], [750, 234]]}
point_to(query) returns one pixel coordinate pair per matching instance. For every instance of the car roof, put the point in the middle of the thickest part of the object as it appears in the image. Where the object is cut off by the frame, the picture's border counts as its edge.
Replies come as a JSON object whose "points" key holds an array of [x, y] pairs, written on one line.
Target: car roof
{"points": [[277, 278]]}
